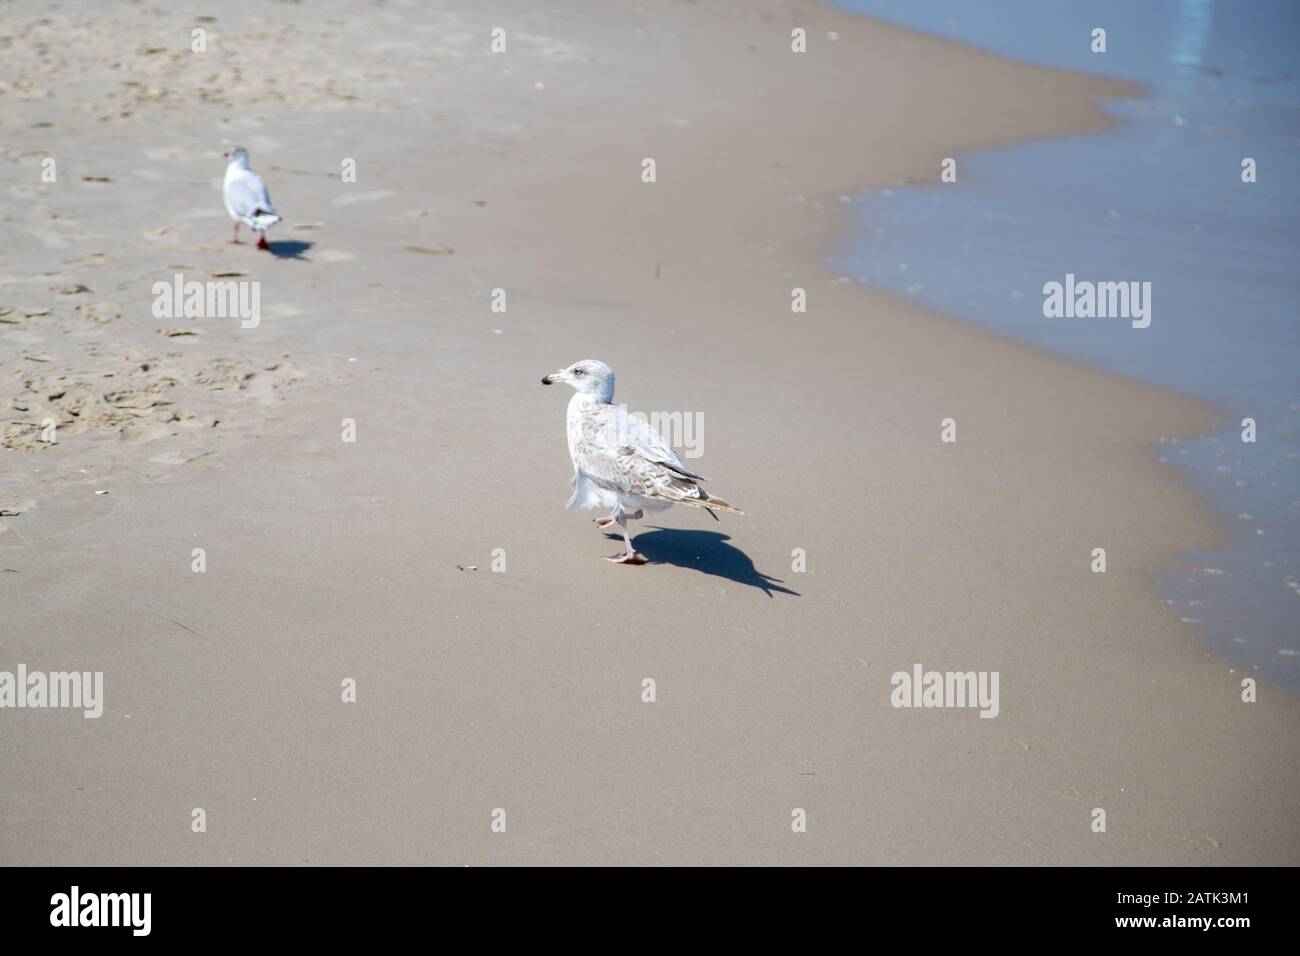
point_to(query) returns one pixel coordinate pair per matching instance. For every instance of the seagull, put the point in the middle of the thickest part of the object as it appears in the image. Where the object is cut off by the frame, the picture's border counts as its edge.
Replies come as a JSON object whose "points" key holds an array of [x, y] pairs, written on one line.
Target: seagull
{"points": [[246, 197], [619, 461]]}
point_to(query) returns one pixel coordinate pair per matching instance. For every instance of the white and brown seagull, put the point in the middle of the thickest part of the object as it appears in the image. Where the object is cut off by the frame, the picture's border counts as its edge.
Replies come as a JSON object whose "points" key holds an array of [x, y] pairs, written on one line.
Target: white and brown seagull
{"points": [[619, 461]]}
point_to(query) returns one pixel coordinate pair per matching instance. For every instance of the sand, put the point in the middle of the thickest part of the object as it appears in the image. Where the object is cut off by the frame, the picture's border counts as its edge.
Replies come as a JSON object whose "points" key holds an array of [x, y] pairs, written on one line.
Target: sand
{"points": [[521, 690]]}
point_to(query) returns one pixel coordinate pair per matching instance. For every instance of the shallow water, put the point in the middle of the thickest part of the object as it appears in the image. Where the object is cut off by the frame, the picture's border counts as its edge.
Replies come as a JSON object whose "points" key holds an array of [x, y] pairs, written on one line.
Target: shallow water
{"points": [[1159, 198]]}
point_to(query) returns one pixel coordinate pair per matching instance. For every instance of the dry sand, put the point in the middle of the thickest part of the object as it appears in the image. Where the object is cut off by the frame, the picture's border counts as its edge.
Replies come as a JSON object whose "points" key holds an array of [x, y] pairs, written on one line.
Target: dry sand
{"points": [[521, 690]]}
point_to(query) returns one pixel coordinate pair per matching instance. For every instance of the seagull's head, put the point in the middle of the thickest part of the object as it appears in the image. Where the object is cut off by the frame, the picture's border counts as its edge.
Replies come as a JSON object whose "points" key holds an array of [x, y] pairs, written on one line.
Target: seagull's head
{"points": [[590, 377], [238, 156]]}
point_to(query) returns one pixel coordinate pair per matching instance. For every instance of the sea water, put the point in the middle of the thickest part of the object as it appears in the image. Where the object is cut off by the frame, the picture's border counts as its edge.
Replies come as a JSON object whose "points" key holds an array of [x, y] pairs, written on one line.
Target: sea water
{"points": [[1158, 198]]}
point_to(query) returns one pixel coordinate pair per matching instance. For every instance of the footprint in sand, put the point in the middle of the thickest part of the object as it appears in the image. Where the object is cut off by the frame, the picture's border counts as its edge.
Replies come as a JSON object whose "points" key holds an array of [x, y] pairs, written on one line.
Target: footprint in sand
{"points": [[137, 433]]}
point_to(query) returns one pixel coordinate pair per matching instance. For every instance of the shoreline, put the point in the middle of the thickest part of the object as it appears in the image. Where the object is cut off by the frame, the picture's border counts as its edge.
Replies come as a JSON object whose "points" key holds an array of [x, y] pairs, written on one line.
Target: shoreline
{"points": [[483, 690], [1012, 220]]}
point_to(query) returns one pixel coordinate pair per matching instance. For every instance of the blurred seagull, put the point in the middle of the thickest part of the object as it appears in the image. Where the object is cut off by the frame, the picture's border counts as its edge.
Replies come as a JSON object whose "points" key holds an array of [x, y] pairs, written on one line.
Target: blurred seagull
{"points": [[246, 197], [619, 461]]}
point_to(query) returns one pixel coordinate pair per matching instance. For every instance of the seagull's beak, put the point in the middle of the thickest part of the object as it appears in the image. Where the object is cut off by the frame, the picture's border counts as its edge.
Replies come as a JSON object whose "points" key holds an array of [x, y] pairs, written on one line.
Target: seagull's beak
{"points": [[546, 380], [553, 377]]}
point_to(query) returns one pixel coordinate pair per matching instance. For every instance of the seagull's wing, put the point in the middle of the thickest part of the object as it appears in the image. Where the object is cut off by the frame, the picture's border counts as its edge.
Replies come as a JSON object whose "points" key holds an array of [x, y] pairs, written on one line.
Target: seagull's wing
{"points": [[624, 454], [628, 431], [247, 197]]}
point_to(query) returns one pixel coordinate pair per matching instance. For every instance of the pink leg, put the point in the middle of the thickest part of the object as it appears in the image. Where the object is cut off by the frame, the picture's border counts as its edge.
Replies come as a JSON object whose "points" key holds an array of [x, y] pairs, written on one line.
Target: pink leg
{"points": [[236, 241], [261, 243], [609, 519], [630, 557]]}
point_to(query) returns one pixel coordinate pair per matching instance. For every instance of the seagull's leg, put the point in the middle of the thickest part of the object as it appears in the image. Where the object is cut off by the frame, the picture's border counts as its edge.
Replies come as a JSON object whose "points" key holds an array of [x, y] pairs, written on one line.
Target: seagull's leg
{"points": [[631, 557], [612, 517], [235, 241], [261, 242]]}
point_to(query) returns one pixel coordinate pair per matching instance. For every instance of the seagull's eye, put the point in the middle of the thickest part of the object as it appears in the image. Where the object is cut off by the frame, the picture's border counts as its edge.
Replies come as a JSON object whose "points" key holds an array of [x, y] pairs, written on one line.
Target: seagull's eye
{"points": [[577, 371]]}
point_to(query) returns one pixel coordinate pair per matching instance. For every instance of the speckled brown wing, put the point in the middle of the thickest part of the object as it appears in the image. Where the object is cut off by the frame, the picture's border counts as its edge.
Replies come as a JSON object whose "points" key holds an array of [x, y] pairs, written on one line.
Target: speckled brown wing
{"points": [[623, 454]]}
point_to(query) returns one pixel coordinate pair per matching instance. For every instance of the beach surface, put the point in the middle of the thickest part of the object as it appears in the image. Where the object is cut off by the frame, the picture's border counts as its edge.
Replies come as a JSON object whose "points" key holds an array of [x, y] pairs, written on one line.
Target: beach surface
{"points": [[868, 545]]}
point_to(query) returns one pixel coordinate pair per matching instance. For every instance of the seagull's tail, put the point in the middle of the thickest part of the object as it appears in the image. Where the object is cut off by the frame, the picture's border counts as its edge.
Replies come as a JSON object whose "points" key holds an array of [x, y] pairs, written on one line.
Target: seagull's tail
{"points": [[263, 220], [706, 501], [721, 504]]}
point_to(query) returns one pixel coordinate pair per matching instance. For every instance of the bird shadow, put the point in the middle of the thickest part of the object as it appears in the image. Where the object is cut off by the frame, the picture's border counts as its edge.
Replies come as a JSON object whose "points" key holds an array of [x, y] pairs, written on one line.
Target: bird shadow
{"points": [[289, 249], [705, 551]]}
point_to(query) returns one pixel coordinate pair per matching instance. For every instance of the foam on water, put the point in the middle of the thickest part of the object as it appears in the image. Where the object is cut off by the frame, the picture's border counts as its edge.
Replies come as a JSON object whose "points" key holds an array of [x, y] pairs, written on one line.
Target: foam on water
{"points": [[1159, 198]]}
